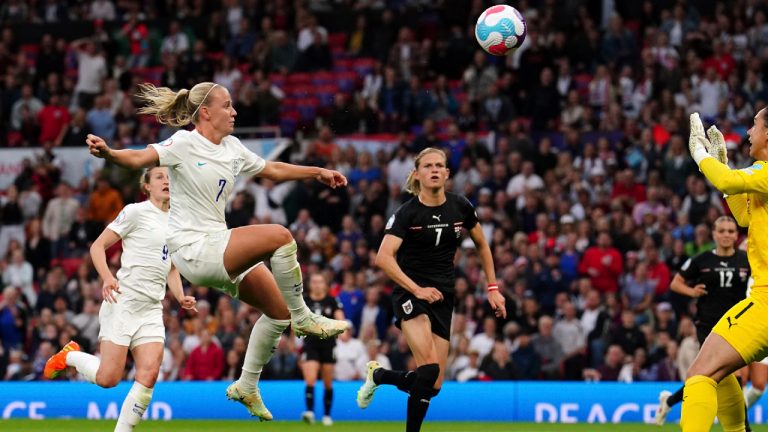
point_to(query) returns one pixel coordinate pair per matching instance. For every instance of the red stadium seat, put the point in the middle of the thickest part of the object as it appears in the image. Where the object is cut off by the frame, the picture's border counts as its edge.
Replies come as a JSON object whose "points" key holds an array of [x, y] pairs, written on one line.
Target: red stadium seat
{"points": [[326, 94], [299, 78], [364, 66], [347, 81], [337, 40], [322, 78], [343, 64]]}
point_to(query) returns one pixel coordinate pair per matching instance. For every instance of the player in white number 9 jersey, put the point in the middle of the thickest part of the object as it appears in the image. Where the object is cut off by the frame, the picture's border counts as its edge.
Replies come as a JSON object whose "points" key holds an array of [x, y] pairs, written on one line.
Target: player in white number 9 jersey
{"points": [[131, 316], [203, 165]]}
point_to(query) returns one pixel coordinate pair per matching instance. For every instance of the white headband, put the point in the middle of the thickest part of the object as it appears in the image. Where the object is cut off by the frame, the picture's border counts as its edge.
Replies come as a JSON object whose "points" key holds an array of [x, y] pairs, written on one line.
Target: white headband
{"points": [[204, 98]]}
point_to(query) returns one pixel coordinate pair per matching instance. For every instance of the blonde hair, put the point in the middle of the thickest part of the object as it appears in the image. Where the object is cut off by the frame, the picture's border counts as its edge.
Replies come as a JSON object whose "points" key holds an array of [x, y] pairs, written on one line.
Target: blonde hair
{"points": [[412, 183], [174, 108]]}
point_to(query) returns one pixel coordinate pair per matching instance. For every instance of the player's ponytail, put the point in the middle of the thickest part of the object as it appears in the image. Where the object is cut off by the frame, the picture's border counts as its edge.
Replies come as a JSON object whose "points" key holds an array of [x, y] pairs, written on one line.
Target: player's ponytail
{"points": [[412, 184], [174, 108]]}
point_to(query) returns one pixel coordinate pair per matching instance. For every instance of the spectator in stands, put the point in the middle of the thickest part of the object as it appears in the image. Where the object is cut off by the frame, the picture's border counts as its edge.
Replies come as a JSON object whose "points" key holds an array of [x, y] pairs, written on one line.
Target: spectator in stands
{"points": [[11, 221], [20, 274], [27, 102], [527, 180], [498, 366], [100, 119], [548, 349], [176, 42], [58, 219], [283, 52], [14, 316], [348, 350], [54, 121], [206, 361], [603, 264], [91, 70], [479, 77], [104, 204]]}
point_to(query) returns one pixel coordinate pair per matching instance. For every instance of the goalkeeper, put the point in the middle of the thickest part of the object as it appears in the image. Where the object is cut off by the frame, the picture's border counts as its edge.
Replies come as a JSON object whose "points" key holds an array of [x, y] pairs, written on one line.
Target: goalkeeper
{"points": [[741, 335]]}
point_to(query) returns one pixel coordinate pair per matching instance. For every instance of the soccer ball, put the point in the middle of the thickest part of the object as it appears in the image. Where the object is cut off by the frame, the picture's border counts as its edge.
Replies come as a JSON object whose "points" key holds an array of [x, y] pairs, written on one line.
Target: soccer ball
{"points": [[500, 29]]}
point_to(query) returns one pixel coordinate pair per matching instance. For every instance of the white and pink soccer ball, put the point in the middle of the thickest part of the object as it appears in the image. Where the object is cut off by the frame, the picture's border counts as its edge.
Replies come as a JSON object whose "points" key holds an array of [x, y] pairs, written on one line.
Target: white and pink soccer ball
{"points": [[500, 29]]}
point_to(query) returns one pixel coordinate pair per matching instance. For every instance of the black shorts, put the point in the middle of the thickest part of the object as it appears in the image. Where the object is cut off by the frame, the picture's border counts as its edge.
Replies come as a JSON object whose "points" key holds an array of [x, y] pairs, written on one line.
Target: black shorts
{"points": [[702, 331], [319, 350], [407, 306]]}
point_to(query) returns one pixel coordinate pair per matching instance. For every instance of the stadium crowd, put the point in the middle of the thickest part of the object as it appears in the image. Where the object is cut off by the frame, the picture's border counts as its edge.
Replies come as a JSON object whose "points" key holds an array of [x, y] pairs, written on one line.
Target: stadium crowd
{"points": [[572, 150]]}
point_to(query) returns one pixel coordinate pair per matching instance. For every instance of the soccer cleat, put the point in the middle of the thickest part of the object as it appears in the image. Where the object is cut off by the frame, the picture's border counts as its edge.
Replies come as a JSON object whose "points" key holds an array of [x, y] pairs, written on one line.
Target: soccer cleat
{"points": [[58, 362], [313, 324], [663, 409], [365, 394], [327, 421], [308, 417], [252, 402]]}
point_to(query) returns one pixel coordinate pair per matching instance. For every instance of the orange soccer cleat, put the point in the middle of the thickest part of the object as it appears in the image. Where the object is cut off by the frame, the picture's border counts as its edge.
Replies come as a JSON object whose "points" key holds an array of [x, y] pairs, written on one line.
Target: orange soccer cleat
{"points": [[58, 362]]}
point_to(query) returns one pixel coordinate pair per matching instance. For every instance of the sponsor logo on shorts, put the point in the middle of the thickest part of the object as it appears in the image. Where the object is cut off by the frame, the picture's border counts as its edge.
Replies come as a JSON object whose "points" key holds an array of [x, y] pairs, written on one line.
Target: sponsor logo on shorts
{"points": [[408, 307]]}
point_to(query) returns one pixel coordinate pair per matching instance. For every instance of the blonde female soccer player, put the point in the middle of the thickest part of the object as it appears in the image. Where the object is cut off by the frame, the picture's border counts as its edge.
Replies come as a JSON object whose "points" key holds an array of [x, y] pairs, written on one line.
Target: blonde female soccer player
{"points": [[741, 335], [417, 253], [131, 316], [203, 164]]}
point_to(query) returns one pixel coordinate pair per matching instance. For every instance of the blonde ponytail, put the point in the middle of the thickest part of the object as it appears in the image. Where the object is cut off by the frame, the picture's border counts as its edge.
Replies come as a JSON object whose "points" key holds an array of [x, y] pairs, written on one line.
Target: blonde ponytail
{"points": [[174, 108], [412, 184]]}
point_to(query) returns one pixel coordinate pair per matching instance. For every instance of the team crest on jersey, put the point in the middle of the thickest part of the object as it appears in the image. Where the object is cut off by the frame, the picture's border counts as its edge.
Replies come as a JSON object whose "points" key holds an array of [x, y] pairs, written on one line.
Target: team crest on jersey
{"points": [[237, 164], [408, 307]]}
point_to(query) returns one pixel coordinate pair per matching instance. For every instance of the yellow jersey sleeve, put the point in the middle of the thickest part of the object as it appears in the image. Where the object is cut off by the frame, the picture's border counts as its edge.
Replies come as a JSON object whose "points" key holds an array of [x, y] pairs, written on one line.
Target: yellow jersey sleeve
{"points": [[729, 181], [748, 197], [739, 205]]}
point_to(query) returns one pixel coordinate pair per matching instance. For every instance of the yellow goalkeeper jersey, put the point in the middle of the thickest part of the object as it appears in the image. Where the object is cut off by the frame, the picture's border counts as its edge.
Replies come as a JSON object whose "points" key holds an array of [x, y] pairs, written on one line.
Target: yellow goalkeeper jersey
{"points": [[747, 196]]}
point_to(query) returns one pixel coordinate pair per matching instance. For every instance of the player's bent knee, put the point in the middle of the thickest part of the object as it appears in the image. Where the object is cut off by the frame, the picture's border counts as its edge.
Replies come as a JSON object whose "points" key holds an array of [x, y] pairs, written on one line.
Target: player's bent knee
{"points": [[283, 237], [107, 380], [147, 377], [435, 392]]}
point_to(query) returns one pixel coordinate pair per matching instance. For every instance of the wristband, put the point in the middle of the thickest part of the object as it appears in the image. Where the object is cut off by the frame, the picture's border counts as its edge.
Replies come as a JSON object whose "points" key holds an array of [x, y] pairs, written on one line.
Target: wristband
{"points": [[493, 287]]}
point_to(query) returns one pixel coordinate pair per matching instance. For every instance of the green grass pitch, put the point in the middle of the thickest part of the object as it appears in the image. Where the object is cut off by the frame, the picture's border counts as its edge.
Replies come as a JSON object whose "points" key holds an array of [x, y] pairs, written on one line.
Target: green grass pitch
{"points": [[239, 426]]}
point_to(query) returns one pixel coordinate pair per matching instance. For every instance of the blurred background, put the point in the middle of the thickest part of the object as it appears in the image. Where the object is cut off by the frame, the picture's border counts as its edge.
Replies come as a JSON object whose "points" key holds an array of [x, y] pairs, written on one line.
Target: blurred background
{"points": [[572, 149]]}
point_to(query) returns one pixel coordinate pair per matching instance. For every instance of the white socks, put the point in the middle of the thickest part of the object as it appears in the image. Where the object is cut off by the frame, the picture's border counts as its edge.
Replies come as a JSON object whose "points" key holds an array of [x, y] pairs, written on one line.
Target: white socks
{"points": [[133, 408], [135, 403], [751, 395], [86, 364], [261, 345], [287, 273]]}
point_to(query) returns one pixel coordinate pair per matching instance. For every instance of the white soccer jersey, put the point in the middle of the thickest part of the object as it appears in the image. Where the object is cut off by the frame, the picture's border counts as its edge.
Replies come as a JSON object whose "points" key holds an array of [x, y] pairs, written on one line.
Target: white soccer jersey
{"points": [[202, 176], [145, 262]]}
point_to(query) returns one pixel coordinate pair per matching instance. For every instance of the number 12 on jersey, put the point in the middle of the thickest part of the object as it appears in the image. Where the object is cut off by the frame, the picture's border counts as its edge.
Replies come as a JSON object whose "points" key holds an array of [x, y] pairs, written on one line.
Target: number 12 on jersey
{"points": [[725, 278], [222, 183]]}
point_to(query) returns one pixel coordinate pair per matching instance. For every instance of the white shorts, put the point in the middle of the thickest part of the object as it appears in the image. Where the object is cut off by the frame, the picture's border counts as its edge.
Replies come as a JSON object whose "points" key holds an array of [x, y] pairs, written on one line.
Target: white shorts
{"points": [[131, 322], [202, 263]]}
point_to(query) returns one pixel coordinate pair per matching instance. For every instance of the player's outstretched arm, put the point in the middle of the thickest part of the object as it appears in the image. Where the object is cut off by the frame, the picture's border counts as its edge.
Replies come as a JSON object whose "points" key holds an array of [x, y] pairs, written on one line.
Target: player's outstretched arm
{"points": [[495, 298], [280, 171], [726, 180], [126, 158]]}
